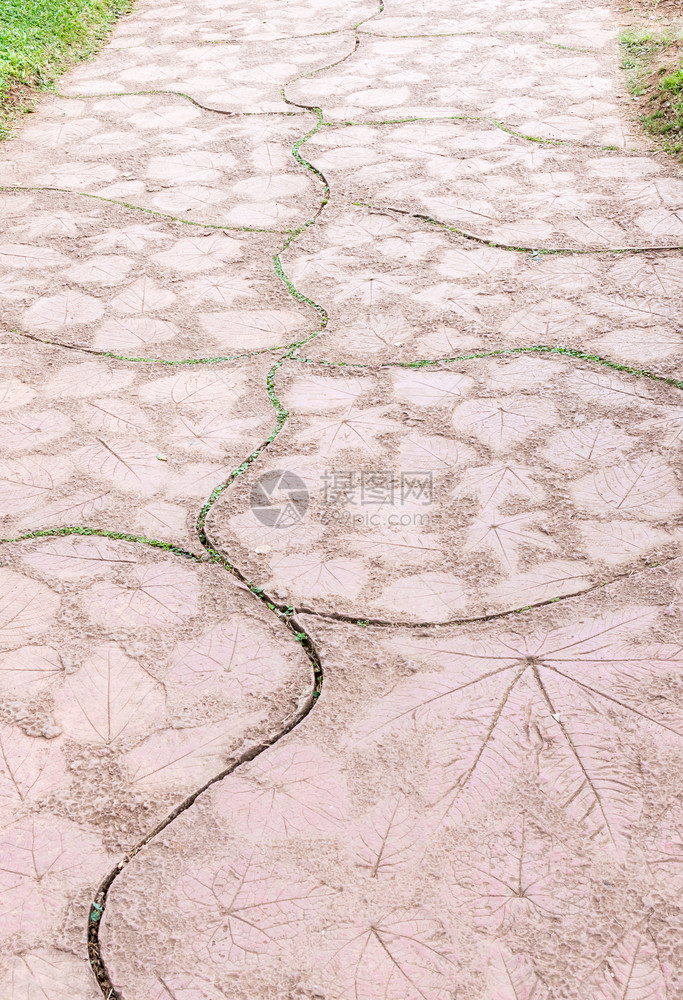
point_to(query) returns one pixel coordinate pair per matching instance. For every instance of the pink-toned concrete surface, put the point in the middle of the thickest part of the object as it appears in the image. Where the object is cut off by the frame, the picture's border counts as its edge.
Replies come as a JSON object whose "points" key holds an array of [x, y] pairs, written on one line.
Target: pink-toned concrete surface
{"points": [[447, 685]]}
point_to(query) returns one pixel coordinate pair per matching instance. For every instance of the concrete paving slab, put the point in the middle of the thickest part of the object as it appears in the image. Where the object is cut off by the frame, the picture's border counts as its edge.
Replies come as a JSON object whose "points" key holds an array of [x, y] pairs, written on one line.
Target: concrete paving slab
{"points": [[449, 815], [340, 504]]}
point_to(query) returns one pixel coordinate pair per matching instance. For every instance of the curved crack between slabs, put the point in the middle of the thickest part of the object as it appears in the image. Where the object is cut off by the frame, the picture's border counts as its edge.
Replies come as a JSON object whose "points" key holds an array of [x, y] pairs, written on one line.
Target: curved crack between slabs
{"points": [[495, 122], [187, 97], [334, 616], [390, 210], [306, 703], [291, 234], [112, 355], [514, 35], [13, 188], [97, 963], [309, 109], [556, 349], [355, 619], [290, 620]]}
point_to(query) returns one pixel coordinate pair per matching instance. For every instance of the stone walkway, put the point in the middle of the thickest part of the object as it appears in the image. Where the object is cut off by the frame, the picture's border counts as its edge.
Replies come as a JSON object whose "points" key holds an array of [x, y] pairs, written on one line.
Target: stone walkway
{"points": [[340, 599]]}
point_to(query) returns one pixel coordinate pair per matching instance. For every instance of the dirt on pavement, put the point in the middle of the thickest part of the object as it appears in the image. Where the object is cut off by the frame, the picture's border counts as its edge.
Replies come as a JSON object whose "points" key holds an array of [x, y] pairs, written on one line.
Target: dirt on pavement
{"points": [[341, 412]]}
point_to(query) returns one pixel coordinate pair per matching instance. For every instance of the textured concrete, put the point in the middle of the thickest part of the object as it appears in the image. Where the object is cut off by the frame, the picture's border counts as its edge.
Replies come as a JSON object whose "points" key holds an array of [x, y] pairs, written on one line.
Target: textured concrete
{"points": [[340, 600]]}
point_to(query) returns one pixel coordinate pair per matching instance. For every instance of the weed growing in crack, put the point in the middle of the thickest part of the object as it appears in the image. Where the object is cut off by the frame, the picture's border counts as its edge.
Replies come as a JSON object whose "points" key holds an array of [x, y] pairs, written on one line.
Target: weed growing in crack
{"points": [[119, 536], [536, 251], [138, 208], [570, 352]]}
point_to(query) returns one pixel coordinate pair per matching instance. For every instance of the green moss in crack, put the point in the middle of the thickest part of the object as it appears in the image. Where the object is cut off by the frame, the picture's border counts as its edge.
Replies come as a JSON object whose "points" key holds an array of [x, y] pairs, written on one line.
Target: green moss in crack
{"points": [[118, 536]]}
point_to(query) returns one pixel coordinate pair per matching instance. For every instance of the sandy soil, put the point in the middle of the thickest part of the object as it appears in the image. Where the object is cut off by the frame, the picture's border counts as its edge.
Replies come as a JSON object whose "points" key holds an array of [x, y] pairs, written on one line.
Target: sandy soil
{"points": [[341, 412]]}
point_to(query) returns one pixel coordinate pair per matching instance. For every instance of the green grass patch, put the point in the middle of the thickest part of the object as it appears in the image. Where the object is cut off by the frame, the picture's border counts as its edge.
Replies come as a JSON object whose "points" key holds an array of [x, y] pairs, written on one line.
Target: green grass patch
{"points": [[639, 49], [653, 62], [667, 119], [39, 39]]}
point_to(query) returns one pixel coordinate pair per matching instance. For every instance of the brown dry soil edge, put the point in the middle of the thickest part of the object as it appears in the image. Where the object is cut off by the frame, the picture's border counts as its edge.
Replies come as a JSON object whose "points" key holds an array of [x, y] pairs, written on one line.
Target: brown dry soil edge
{"points": [[19, 100], [285, 615], [651, 108]]}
